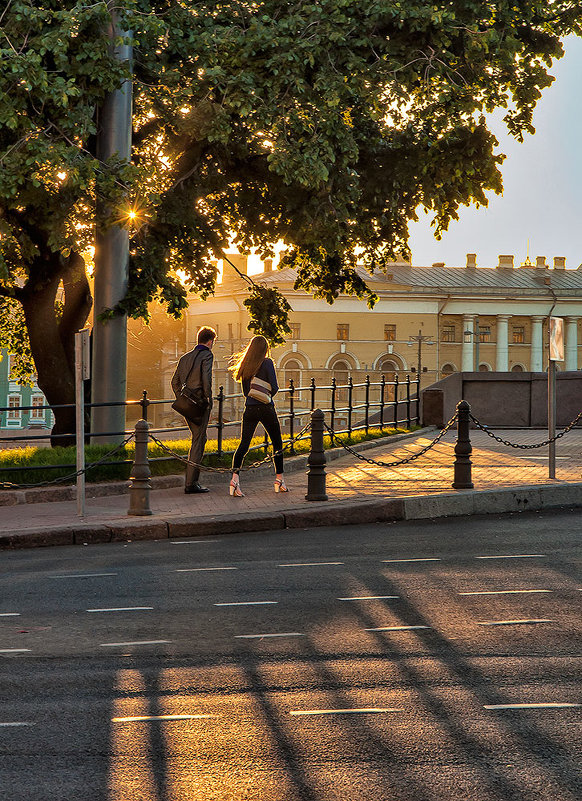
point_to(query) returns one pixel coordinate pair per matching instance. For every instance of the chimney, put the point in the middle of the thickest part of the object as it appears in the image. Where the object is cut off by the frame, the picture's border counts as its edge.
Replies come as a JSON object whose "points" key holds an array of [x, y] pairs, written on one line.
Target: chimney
{"points": [[471, 259], [268, 265], [438, 264], [541, 263], [559, 262], [506, 262]]}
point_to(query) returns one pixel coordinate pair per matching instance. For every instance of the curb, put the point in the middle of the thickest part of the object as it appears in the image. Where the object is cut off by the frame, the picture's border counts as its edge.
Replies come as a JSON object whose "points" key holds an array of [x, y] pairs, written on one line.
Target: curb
{"points": [[383, 510], [292, 465]]}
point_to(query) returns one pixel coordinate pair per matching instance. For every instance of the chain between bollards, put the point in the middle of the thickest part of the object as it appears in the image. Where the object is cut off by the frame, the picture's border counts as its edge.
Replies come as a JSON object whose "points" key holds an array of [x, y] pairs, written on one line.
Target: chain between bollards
{"points": [[316, 461], [463, 448], [139, 478]]}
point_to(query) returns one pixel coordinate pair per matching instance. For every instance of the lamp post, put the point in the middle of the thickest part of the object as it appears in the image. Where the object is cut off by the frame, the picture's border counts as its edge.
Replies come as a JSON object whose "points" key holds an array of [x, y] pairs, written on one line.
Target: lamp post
{"points": [[420, 339], [477, 338]]}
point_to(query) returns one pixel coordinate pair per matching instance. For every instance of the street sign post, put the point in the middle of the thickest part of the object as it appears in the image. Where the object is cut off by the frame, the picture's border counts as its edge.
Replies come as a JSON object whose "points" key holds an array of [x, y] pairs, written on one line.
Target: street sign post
{"points": [[82, 373], [556, 354]]}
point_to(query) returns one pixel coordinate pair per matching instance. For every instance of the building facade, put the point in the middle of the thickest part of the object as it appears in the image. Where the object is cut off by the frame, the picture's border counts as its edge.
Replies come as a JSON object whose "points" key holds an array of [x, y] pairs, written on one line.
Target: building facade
{"points": [[13, 396]]}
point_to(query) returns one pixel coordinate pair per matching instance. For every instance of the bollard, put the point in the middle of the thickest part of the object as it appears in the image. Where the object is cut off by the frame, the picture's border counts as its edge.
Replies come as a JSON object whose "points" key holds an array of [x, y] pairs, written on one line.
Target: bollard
{"points": [[140, 484], [463, 448], [316, 461]]}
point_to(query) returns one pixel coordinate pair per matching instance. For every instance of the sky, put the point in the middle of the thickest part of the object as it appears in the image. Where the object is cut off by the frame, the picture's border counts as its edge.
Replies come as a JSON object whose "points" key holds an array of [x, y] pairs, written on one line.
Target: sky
{"points": [[542, 197]]}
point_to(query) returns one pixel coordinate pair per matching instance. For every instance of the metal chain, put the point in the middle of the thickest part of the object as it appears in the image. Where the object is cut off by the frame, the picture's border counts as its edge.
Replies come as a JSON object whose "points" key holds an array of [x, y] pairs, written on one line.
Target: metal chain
{"points": [[509, 444], [61, 479], [408, 459], [252, 466]]}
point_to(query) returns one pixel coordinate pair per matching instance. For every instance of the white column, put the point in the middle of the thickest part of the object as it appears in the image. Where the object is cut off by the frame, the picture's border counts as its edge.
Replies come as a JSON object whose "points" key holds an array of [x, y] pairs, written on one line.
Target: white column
{"points": [[467, 361], [536, 359], [502, 351], [571, 353]]}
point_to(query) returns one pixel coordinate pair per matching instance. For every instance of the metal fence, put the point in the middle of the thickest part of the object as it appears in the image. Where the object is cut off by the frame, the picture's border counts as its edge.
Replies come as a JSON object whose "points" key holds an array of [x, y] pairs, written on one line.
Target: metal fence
{"points": [[349, 407]]}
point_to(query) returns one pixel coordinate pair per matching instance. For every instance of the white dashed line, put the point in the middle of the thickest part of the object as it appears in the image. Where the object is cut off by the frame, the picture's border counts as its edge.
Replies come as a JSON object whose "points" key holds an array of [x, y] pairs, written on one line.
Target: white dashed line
{"points": [[190, 542], [137, 642], [83, 575], [513, 622], [14, 650], [311, 564], [397, 628], [369, 597], [423, 559], [247, 603], [146, 718], [123, 609], [515, 556], [264, 636], [15, 724], [9, 614], [502, 592], [550, 705], [202, 569], [371, 710]]}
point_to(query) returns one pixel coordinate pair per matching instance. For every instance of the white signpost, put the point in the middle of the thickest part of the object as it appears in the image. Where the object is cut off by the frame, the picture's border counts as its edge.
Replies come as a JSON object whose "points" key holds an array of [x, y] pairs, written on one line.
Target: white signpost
{"points": [[556, 354], [82, 373]]}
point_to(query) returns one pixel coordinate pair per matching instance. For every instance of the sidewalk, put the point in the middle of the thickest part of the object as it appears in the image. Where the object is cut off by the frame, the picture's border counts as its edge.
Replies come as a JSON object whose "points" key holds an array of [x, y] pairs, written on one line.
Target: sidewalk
{"points": [[505, 480]]}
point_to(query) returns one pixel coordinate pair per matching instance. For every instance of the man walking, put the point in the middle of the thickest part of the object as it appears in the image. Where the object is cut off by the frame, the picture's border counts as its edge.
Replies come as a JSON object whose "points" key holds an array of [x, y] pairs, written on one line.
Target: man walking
{"points": [[195, 370]]}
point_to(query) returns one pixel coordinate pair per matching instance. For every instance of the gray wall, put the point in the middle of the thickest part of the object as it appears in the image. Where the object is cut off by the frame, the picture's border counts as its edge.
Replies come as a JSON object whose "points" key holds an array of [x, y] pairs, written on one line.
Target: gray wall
{"points": [[503, 399]]}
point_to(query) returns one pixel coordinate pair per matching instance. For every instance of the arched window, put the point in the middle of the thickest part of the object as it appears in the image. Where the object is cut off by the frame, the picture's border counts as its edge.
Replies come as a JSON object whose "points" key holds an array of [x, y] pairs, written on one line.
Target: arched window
{"points": [[341, 372], [292, 372], [448, 369], [389, 368], [518, 368], [484, 368]]}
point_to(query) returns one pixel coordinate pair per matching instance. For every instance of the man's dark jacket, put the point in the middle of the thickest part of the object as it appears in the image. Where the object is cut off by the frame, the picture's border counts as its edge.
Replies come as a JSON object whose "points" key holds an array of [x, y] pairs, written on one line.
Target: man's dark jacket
{"points": [[201, 375]]}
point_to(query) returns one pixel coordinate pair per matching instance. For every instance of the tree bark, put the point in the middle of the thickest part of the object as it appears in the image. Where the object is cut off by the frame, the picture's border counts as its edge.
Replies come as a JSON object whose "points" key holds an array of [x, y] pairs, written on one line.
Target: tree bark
{"points": [[52, 335]]}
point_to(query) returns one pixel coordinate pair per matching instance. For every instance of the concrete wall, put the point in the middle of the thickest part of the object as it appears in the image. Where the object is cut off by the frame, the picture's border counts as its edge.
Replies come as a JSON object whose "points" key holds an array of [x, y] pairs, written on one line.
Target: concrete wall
{"points": [[503, 399]]}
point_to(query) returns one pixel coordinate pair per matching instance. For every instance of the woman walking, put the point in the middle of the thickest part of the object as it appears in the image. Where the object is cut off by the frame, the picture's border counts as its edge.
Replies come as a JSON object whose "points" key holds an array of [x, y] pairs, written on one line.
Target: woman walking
{"points": [[256, 371]]}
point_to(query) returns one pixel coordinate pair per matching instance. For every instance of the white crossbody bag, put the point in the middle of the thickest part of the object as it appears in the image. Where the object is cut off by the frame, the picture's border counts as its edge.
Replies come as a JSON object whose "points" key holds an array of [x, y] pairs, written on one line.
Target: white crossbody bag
{"points": [[260, 390]]}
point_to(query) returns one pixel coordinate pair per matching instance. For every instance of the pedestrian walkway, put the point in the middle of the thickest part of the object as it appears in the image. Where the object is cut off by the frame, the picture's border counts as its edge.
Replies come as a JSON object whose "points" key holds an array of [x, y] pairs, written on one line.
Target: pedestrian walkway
{"points": [[352, 485]]}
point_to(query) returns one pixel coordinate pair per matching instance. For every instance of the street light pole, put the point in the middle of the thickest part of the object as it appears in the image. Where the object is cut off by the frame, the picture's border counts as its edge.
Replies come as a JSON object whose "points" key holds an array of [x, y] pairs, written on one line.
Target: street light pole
{"points": [[109, 363], [420, 339]]}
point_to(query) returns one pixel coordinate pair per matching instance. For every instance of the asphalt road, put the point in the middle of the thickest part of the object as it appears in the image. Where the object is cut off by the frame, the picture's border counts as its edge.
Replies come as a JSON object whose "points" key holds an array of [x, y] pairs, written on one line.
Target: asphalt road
{"points": [[403, 662]]}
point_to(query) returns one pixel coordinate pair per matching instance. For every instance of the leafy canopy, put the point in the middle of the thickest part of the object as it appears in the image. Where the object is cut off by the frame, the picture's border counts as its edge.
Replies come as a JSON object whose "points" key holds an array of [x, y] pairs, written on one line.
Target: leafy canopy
{"points": [[324, 124]]}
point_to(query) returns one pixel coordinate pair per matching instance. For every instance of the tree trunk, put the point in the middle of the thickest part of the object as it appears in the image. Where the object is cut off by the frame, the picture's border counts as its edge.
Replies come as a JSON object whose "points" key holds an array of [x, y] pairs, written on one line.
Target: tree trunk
{"points": [[52, 335]]}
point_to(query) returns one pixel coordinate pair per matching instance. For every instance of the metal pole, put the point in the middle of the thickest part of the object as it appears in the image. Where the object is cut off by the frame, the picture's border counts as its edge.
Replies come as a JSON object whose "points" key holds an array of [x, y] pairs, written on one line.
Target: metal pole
{"points": [[316, 461], [382, 394], [220, 421], [367, 420], [140, 484], [81, 373], [112, 259], [420, 338], [350, 402], [552, 418], [463, 448], [291, 415], [477, 336]]}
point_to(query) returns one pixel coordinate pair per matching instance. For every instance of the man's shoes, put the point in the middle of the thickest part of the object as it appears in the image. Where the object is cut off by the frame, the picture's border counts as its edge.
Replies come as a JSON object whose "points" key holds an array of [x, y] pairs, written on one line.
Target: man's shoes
{"points": [[195, 488]]}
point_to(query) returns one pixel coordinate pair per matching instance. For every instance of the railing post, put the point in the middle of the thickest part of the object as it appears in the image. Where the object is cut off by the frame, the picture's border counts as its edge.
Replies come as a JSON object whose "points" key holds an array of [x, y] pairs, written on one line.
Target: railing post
{"points": [[463, 448], [408, 415], [367, 420], [220, 421], [395, 407], [382, 396], [312, 388], [144, 403], [316, 461], [333, 393], [140, 484], [350, 400], [417, 416], [291, 415]]}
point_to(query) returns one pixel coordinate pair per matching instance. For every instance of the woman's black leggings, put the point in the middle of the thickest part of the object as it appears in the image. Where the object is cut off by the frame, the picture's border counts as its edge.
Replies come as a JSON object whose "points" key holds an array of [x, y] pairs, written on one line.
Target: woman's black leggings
{"points": [[253, 415]]}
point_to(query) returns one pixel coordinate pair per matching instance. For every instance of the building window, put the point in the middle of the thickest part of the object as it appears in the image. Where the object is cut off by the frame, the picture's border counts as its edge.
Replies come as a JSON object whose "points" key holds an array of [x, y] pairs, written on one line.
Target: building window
{"points": [[230, 331], [517, 368], [343, 331], [14, 412], [37, 411], [484, 368], [295, 330], [293, 373], [448, 333], [518, 334], [341, 372], [484, 333], [390, 333], [448, 369]]}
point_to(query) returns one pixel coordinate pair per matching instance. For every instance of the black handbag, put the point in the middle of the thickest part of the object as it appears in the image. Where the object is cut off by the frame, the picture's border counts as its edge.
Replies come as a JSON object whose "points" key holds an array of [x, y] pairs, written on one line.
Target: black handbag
{"points": [[191, 403]]}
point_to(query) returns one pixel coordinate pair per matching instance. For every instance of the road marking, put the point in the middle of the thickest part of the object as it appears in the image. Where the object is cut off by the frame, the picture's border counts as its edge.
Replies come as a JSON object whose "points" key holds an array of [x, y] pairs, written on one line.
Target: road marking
{"points": [[550, 705], [513, 622], [190, 542], [202, 569], [140, 718], [137, 642], [423, 559], [261, 636], [515, 556], [9, 614], [123, 609], [83, 575], [311, 564], [15, 724], [342, 711], [502, 592], [14, 650], [397, 628], [247, 603], [368, 597]]}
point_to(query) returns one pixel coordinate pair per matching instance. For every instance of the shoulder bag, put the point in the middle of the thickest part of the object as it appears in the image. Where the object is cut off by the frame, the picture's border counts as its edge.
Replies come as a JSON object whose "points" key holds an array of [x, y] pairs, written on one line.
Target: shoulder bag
{"points": [[260, 390], [191, 403]]}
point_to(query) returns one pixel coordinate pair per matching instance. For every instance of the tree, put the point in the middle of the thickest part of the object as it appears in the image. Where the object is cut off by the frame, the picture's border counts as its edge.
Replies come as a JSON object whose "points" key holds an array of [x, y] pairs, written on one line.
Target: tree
{"points": [[325, 124]]}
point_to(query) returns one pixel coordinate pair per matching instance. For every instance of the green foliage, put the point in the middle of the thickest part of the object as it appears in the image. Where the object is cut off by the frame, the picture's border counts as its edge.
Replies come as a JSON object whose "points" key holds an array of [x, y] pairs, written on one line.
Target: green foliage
{"points": [[326, 125]]}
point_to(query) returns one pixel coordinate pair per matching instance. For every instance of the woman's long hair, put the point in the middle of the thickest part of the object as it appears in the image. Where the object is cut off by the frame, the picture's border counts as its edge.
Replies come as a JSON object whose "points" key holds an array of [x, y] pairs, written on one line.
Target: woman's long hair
{"points": [[245, 364]]}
